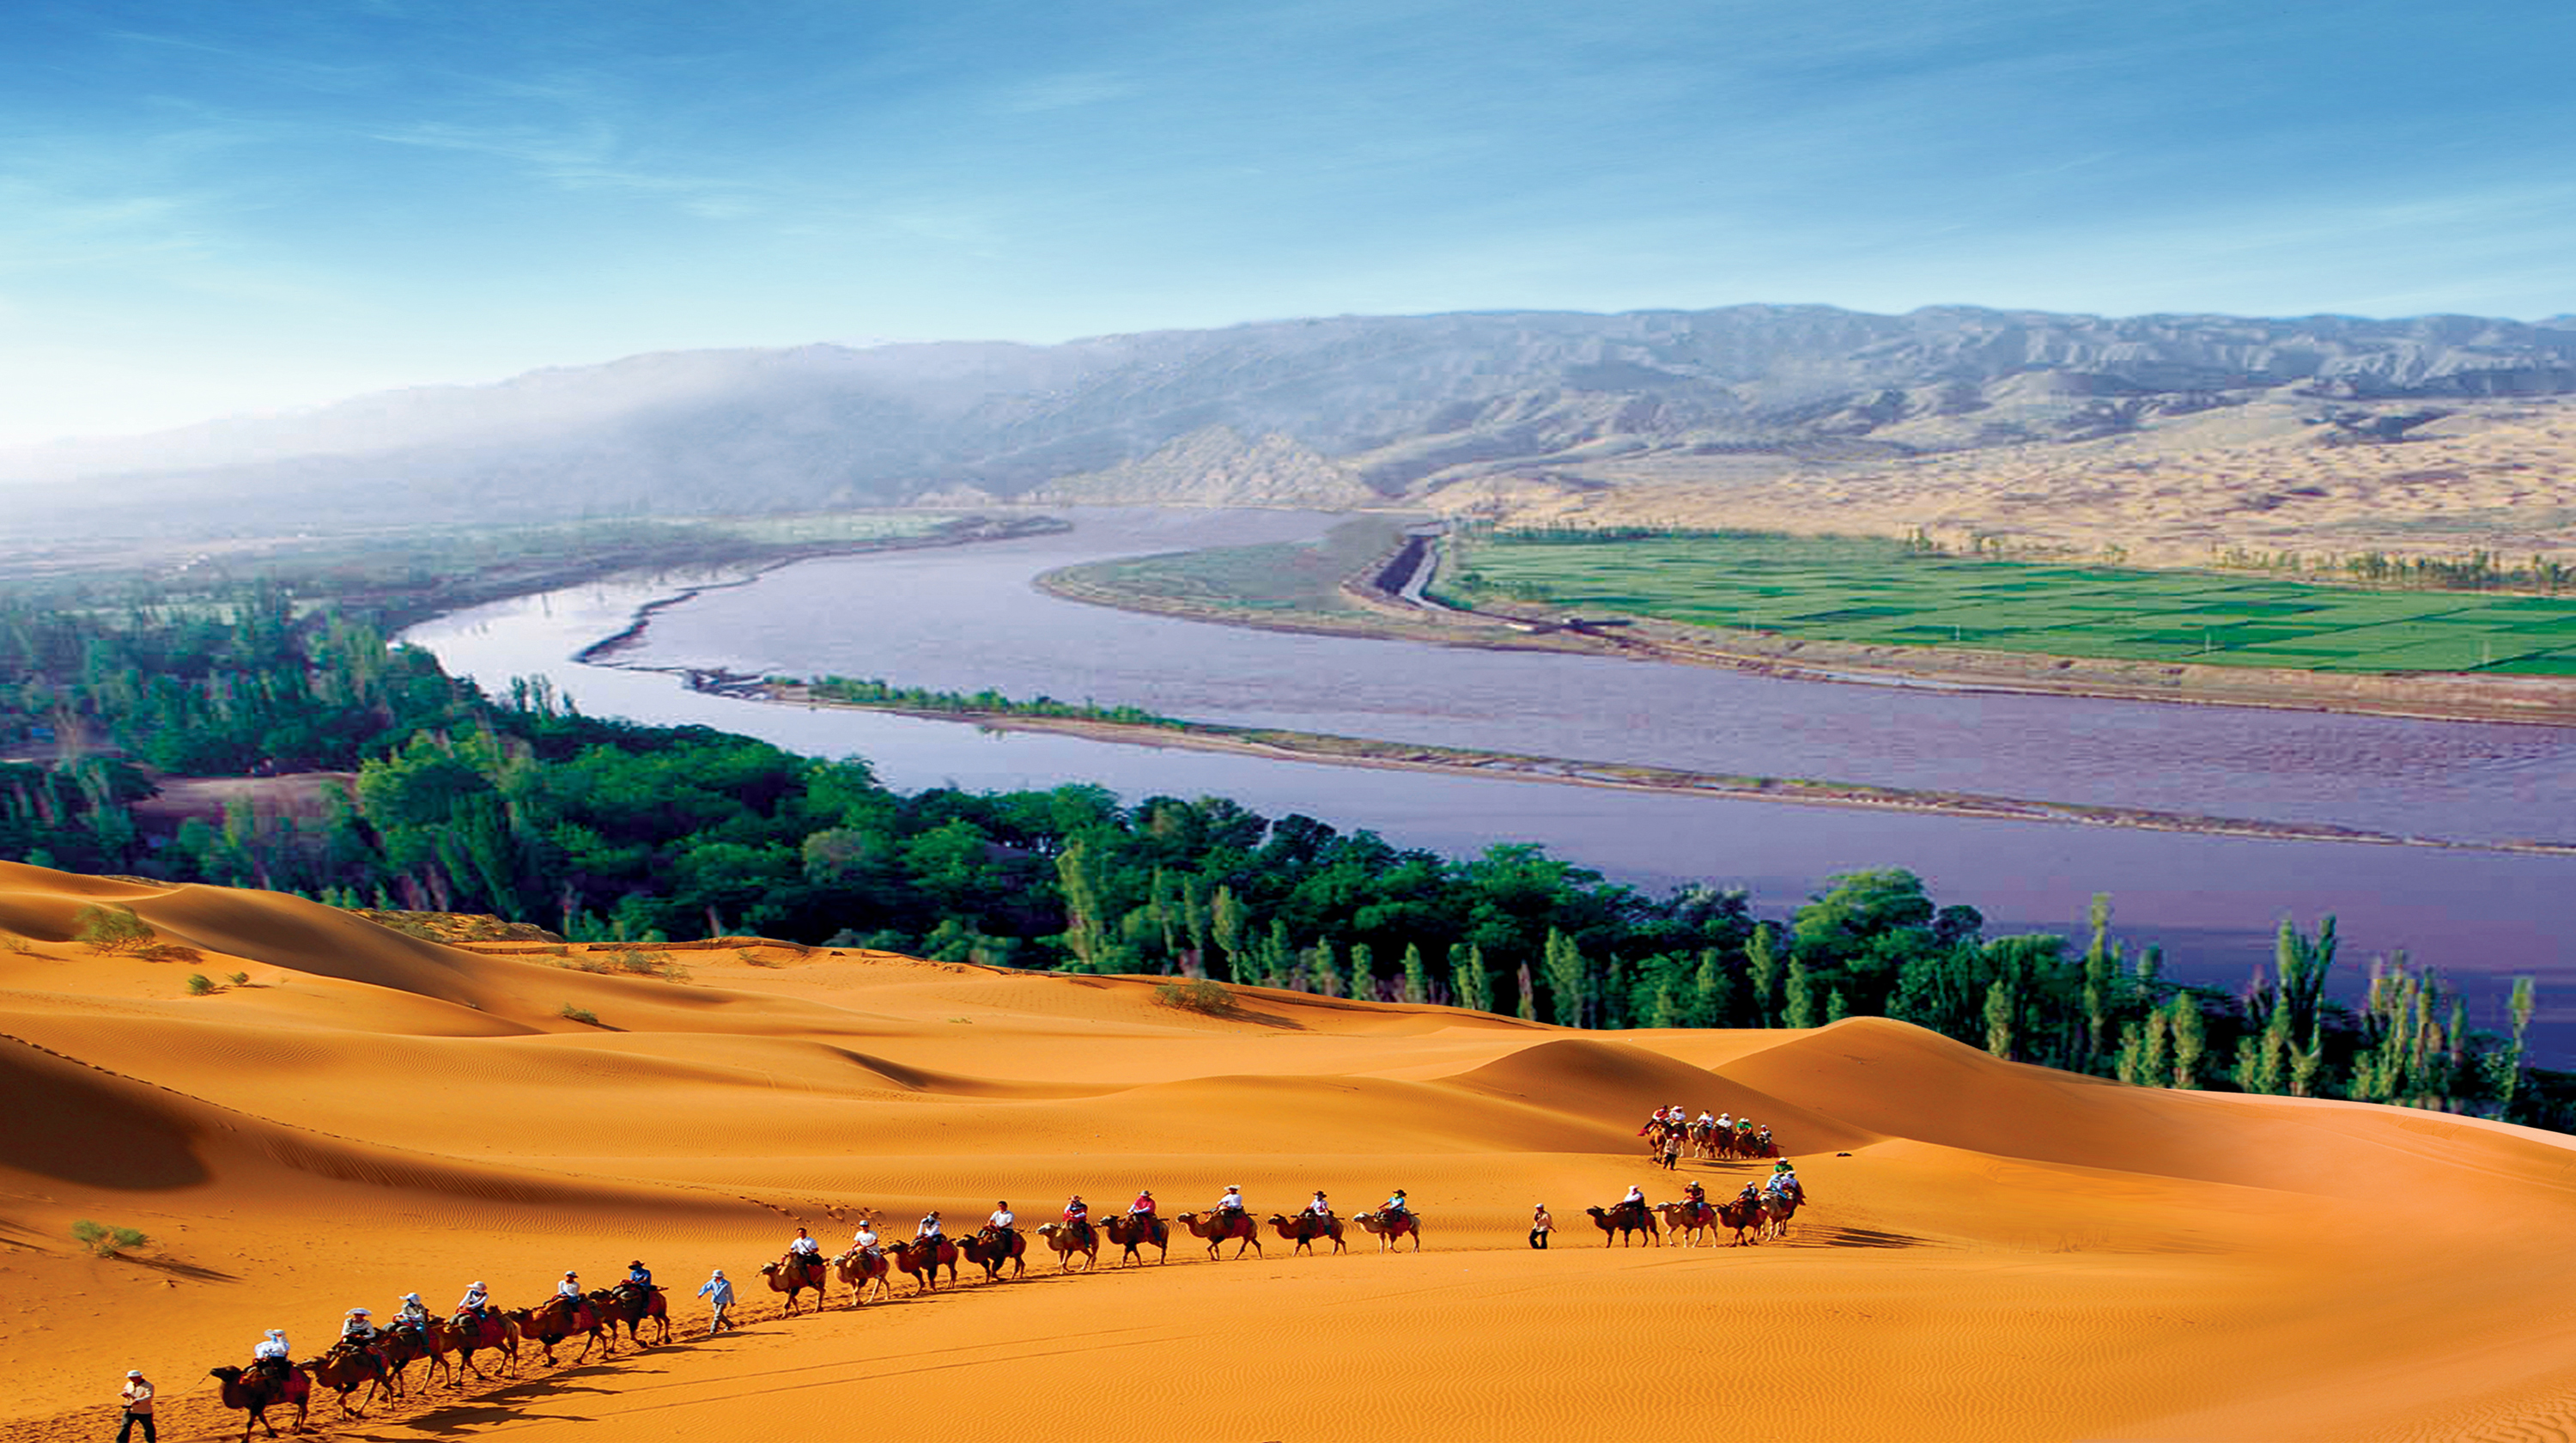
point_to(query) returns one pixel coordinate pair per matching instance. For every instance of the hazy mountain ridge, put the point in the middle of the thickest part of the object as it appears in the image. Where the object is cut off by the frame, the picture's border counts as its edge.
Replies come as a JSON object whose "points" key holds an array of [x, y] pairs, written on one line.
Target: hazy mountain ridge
{"points": [[1399, 402]]}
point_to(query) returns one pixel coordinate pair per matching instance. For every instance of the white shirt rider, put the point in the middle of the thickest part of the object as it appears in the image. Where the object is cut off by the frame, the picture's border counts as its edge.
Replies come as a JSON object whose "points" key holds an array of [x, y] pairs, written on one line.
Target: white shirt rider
{"points": [[272, 1346], [413, 1312], [865, 1238], [929, 1227], [804, 1246], [1002, 1218], [1319, 1207], [1635, 1195], [475, 1297], [1232, 1202], [570, 1287]]}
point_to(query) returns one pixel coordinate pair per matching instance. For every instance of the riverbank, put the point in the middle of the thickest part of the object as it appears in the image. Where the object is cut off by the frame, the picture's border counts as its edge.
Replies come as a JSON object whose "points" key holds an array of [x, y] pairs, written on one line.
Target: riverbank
{"points": [[1283, 745], [1382, 600]]}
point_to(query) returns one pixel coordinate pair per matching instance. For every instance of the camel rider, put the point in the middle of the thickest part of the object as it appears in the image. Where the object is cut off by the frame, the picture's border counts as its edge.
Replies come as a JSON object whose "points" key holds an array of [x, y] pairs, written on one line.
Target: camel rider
{"points": [[1636, 1198], [1320, 1208], [1704, 1119], [1077, 1217], [358, 1329], [641, 1277], [1750, 1197], [1143, 1206], [928, 1227], [1784, 1181], [476, 1299], [1726, 1122], [803, 1250], [1762, 1139], [269, 1354], [1231, 1203], [570, 1287], [865, 1239], [1396, 1206], [1695, 1194], [413, 1314], [1003, 1218]]}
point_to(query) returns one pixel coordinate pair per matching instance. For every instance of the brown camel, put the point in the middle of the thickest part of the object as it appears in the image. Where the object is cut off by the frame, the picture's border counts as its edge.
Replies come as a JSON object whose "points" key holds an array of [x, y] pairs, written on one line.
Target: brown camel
{"points": [[1687, 1222], [468, 1335], [1136, 1230], [1742, 1215], [259, 1390], [993, 1247], [922, 1258], [400, 1348], [1219, 1226], [1777, 1209], [345, 1367], [1622, 1220], [865, 1271], [795, 1273], [1386, 1227], [1071, 1241], [1304, 1228], [558, 1318], [633, 1303]]}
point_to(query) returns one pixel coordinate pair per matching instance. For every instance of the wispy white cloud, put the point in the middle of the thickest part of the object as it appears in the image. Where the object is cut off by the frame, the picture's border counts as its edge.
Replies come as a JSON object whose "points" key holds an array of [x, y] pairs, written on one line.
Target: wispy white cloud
{"points": [[1064, 92]]}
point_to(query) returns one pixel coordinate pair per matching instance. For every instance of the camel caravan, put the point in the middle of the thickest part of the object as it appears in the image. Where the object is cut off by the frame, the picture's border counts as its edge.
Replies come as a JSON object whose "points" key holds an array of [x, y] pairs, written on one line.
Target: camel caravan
{"points": [[370, 1362], [1672, 1134]]}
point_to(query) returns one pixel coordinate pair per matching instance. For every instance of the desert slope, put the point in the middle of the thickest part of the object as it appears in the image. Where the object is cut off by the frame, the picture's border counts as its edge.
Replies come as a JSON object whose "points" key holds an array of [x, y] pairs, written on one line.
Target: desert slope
{"points": [[1994, 1251]]}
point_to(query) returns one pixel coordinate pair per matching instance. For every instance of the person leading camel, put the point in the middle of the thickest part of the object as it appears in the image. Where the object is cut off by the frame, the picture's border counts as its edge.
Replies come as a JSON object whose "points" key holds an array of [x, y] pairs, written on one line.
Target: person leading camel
{"points": [[719, 1295], [138, 1407], [1540, 1226]]}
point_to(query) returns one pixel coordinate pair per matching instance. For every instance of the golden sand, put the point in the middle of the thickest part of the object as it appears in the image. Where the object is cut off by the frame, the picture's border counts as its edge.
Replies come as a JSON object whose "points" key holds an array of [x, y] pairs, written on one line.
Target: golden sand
{"points": [[1993, 1251]]}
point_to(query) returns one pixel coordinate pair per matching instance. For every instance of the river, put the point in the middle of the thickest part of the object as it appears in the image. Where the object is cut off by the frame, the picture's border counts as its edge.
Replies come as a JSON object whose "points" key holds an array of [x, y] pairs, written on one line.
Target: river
{"points": [[966, 618]]}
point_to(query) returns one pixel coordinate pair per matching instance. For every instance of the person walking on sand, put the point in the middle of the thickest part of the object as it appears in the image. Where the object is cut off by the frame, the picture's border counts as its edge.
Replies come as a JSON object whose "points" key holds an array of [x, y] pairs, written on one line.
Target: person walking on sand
{"points": [[719, 1295], [138, 1407], [1540, 1226]]}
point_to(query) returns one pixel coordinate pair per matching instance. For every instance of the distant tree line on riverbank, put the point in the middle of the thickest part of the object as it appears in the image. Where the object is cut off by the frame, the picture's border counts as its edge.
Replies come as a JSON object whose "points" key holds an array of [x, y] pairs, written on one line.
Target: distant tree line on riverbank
{"points": [[607, 830], [872, 692]]}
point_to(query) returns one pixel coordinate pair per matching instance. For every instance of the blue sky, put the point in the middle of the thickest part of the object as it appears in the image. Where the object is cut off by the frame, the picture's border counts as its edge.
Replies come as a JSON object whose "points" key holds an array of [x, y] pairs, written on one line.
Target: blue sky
{"points": [[210, 209]]}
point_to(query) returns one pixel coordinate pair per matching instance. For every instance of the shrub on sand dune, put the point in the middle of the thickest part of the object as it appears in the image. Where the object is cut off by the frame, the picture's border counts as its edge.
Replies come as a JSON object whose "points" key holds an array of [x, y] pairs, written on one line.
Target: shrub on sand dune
{"points": [[106, 1241], [1204, 995]]}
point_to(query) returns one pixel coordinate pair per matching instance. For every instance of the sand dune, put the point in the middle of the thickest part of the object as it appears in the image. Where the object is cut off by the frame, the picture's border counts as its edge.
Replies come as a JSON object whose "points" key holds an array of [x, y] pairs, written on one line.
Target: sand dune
{"points": [[1994, 1251]]}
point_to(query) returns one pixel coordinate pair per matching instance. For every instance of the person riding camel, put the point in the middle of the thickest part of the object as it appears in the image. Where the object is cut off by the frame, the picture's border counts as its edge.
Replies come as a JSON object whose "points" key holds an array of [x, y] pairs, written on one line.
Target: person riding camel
{"points": [[865, 1239], [413, 1314], [1077, 1218], [1696, 1197], [1319, 1207], [1002, 1220], [803, 1250], [1784, 1181], [1396, 1206], [475, 1301], [357, 1329], [1142, 1207], [570, 1287], [270, 1354], [1636, 1198], [1762, 1139], [1231, 1203], [641, 1276], [928, 1227]]}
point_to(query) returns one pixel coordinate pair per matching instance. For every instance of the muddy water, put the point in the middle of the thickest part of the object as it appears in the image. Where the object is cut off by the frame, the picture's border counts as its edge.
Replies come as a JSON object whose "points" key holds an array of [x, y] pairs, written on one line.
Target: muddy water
{"points": [[966, 619]]}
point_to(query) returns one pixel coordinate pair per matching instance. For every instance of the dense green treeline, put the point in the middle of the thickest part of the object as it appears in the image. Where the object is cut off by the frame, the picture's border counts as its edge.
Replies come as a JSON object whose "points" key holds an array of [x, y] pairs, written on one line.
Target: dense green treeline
{"points": [[612, 831], [872, 692]]}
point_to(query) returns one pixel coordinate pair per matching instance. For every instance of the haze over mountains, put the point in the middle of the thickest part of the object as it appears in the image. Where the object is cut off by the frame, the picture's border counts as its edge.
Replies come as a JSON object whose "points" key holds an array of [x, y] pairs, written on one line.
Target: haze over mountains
{"points": [[1331, 411]]}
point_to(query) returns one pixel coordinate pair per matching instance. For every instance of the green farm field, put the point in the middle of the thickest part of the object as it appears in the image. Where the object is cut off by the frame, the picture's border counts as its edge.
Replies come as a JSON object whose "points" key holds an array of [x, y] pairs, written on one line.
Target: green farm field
{"points": [[1880, 592]]}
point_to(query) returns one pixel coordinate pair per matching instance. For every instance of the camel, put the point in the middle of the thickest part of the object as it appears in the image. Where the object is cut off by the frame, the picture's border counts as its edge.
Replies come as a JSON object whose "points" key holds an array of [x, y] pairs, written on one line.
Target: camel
{"points": [[257, 1391], [1622, 1220], [922, 1258], [633, 1303], [1686, 1221], [1389, 1226], [1070, 1241], [1220, 1226], [864, 1271], [1304, 1228], [990, 1249], [1777, 1209], [1742, 1215], [468, 1334], [1136, 1230], [345, 1367], [401, 1347], [795, 1273], [559, 1318]]}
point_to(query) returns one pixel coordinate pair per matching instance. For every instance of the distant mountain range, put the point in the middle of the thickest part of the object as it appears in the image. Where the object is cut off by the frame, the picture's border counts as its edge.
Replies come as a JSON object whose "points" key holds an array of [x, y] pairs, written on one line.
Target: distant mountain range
{"points": [[1330, 410]]}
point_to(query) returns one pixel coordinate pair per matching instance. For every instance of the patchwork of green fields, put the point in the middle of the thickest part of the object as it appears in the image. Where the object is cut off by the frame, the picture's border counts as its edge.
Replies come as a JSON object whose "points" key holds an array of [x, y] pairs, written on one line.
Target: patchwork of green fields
{"points": [[1866, 590]]}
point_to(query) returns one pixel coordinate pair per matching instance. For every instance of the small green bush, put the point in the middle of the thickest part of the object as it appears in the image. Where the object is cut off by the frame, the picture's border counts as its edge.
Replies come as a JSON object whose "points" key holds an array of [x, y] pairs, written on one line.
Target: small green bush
{"points": [[580, 1014], [199, 984], [1204, 995], [111, 929], [238, 979], [106, 1241]]}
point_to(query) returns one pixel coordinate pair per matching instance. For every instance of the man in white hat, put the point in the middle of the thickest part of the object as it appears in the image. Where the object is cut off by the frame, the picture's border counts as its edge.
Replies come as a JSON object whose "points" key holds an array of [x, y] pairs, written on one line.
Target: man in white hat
{"points": [[719, 1294], [138, 1406]]}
